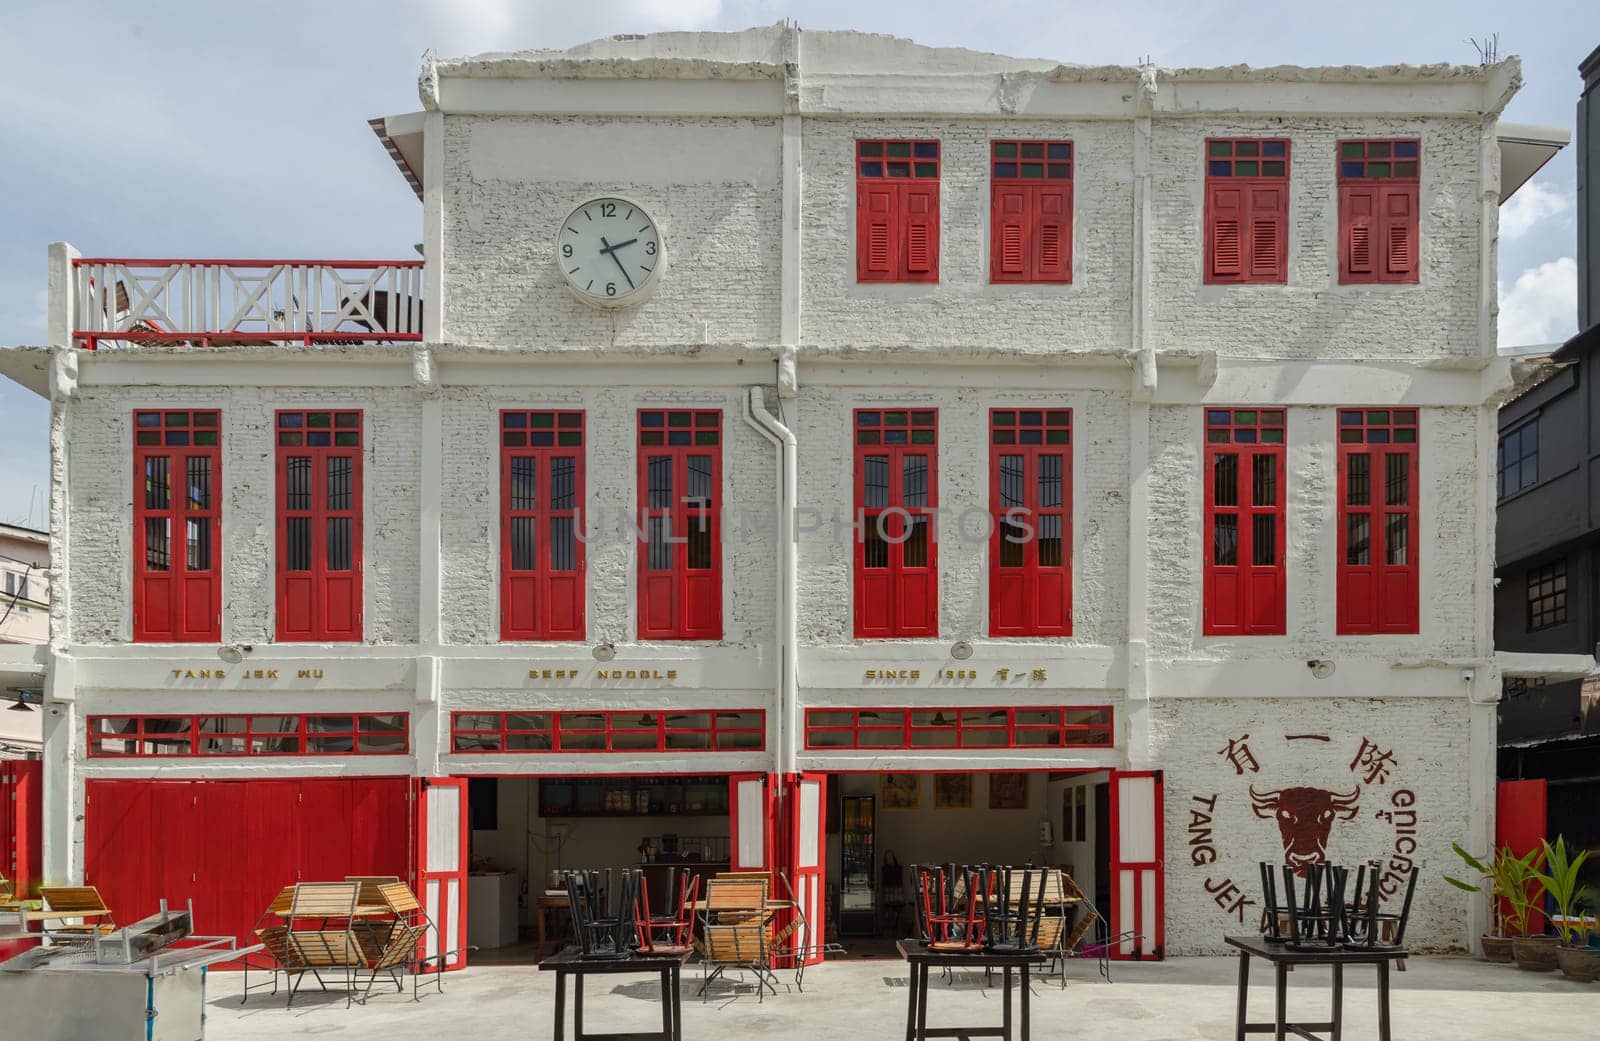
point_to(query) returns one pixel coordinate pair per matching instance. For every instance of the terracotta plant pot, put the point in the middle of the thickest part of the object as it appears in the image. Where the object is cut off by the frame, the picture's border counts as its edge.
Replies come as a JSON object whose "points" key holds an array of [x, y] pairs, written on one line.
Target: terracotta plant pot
{"points": [[1535, 953], [1495, 948], [1579, 963]]}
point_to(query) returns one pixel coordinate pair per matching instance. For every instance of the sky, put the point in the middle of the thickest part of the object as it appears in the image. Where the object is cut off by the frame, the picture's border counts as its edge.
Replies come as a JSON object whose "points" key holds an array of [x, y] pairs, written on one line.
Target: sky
{"points": [[169, 128]]}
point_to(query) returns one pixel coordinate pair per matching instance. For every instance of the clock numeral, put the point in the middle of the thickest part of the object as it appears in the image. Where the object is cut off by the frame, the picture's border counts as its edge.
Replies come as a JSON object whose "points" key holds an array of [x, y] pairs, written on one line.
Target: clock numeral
{"points": [[566, 249], [611, 289], [608, 209], [649, 249]]}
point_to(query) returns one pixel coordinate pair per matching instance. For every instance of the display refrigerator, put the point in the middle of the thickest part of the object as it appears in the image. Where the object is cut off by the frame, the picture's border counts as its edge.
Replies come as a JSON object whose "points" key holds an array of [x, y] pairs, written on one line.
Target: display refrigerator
{"points": [[858, 876]]}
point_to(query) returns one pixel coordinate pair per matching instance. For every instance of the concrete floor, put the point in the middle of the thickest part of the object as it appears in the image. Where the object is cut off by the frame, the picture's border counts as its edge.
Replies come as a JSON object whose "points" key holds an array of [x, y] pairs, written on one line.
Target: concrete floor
{"points": [[1185, 998]]}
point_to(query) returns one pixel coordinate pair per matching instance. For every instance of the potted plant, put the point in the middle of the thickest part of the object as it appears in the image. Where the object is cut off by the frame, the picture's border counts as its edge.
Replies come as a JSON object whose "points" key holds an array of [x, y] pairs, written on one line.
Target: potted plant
{"points": [[1577, 959], [1509, 879]]}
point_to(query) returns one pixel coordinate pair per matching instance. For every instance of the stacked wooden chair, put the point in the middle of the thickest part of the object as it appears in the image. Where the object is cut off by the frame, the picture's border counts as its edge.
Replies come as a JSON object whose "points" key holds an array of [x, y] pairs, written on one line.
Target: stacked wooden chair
{"points": [[321, 935], [735, 927], [392, 945], [672, 930]]}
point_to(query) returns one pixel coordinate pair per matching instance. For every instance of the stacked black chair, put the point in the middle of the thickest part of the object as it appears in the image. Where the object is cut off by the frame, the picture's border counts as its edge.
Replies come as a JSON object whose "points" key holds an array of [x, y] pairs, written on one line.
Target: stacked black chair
{"points": [[1016, 909], [603, 913], [1316, 912], [1367, 926]]}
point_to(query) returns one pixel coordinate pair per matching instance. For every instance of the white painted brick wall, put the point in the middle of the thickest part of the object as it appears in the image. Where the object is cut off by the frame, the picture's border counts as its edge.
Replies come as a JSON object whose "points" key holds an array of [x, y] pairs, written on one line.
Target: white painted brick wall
{"points": [[471, 524], [1100, 520], [1428, 739], [711, 185], [101, 445], [1449, 475], [1313, 317]]}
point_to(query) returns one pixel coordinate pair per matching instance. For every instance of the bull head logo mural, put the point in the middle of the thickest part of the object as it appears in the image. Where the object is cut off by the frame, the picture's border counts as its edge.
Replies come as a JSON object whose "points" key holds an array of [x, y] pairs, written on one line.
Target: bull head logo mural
{"points": [[1305, 816]]}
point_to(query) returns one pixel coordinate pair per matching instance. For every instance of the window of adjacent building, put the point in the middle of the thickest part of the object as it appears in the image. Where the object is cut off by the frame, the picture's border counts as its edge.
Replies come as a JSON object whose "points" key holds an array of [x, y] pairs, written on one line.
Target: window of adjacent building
{"points": [[265, 735], [993, 726], [693, 730], [1377, 527], [1247, 210], [1030, 501], [1243, 577], [319, 524], [1030, 221], [1379, 181], [897, 211], [680, 496], [177, 552], [17, 586], [1547, 595], [541, 509], [896, 495], [1519, 459]]}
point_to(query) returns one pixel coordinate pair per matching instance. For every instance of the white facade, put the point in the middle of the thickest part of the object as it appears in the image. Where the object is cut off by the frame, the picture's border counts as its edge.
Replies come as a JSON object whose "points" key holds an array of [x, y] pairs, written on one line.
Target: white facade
{"points": [[740, 146]]}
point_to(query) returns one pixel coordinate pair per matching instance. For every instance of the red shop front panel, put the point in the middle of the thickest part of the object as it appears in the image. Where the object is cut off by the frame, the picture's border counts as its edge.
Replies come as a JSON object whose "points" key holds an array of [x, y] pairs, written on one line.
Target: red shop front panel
{"points": [[230, 846]]}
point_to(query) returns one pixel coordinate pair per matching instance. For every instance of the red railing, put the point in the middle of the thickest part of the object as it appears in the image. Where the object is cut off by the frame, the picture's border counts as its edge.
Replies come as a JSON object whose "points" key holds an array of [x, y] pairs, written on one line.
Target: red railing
{"points": [[225, 303]]}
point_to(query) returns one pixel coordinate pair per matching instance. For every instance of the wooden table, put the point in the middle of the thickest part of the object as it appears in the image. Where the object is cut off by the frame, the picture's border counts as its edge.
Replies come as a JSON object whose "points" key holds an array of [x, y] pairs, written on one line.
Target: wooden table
{"points": [[922, 959], [569, 962], [1283, 961]]}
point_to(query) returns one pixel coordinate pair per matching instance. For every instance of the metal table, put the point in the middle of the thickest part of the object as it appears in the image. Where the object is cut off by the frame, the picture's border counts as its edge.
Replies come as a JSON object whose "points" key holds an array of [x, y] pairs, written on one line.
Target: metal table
{"points": [[922, 959], [1283, 961], [569, 962]]}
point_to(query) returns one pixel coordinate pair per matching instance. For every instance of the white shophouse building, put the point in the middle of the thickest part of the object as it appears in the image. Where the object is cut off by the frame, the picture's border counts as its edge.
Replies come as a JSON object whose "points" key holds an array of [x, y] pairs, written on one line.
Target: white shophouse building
{"points": [[1215, 346]]}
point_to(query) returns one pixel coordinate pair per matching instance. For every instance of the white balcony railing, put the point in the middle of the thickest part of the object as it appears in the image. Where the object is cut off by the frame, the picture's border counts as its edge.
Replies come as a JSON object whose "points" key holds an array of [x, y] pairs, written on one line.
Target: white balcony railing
{"points": [[228, 303]]}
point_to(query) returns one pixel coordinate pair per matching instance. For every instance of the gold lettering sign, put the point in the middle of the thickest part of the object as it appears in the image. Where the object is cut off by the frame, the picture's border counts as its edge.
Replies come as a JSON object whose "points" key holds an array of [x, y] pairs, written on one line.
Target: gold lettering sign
{"points": [[958, 674], [312, 673], [552, 674], [636, 674], [894, 674]]}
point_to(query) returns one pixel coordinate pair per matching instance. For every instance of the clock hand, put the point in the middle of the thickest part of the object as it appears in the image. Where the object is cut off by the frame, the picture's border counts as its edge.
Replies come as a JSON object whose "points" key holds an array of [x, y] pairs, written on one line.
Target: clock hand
{"points": [[611, 251]]}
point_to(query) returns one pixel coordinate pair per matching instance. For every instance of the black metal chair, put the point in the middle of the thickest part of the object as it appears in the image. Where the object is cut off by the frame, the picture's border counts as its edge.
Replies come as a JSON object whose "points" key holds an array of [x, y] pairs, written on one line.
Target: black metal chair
{"points": [[1316, 912], [603, 913], [1016, 909], [1367, 926]]}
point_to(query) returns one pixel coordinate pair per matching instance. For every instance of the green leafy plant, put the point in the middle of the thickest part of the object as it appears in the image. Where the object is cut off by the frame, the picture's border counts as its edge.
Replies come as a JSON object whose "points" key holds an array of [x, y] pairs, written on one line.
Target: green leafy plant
{"points": [[1510, 878], [1560, 880]]}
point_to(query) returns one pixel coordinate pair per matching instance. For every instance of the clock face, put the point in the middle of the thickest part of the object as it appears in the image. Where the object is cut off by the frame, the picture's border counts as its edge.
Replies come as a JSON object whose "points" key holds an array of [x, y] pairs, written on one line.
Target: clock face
{"points": [[609, 252]]}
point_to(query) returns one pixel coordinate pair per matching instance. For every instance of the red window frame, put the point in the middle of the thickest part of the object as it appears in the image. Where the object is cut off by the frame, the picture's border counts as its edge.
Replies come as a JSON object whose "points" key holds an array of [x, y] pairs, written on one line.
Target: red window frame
{"points": [[177, 497], [1030, 505], [319, 464], [1247, 210], [1380, 186], [542, 558], [896, 578], [897, 210], [635, 731], [1030, 219], [680, 575], [255, 736], [972, 727], [1378, 521], [1245, 470]]}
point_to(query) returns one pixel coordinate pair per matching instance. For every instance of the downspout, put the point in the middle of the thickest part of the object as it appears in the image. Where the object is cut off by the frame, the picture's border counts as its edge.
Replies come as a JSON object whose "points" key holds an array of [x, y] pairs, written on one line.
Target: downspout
{"points": [[786, 681]]}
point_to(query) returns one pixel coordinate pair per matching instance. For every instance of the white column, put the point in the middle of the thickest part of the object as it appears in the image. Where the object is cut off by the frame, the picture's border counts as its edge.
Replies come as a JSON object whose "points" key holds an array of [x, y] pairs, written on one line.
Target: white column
{"points": [[1141, 390], [61, 301], [433, 326], [63, 789]]}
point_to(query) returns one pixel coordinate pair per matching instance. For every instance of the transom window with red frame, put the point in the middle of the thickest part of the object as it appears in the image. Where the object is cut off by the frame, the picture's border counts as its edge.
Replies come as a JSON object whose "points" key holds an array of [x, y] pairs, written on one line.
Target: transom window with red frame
{"points": [[319, 524], [1030, 234], [692, 730], [897, 211], [896, 497], [541, 546], [1030, 501], [1377, 532], [680, 502], [991, 726], [177, 511], [259, 735], [1244, 523], [1247, 210], [1379, 197]]}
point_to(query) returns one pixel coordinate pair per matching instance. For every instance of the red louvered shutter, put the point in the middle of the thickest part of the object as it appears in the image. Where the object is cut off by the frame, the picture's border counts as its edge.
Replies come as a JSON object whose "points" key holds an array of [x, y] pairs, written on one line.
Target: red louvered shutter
{"points": [[1009, 232], [1224, 233], [875, 234], [1268, 221], [1357, 226], [1398, 208], [920, 220], [1053, 219]]}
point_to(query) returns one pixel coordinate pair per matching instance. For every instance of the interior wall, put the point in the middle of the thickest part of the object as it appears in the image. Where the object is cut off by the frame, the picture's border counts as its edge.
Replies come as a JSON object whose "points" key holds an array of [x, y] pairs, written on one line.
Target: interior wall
{"points": [[1077, 857]]}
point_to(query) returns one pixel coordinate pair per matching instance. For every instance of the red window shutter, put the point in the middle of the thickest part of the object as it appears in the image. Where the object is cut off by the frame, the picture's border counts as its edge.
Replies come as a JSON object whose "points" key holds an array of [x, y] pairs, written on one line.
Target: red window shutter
{"points": [[177, 544], [1358, 207], [542, 553], [1377, 534], [1399, 223], [1268, 226], [876, 224], [1030, 503], [319, 529], [1009, 231], [679, 503], [896, 494], [920, 219], [1243, 574], [1224, 233], [1053, 218]]}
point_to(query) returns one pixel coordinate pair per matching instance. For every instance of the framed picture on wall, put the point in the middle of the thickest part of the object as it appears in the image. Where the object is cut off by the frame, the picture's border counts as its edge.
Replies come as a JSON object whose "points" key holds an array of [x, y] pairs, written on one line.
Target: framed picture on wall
{"points": [[1069, 798], [1008, 791], [952, 791], [900, 791]]}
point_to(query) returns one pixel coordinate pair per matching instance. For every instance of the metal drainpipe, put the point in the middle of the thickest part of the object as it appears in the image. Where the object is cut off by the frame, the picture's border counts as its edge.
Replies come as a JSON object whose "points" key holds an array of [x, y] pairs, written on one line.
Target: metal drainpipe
{"points": [[782, 438]]}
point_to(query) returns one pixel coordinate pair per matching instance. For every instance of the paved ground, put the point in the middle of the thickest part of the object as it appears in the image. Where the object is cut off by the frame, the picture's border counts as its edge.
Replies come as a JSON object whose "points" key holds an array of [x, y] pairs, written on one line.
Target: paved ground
{"points": [[1186, 998]]}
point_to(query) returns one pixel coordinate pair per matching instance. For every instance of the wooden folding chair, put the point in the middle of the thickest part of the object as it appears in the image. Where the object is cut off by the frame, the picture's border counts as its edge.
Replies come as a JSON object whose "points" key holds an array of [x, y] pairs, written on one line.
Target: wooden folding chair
{"points": [[371, 894], [389, 947], [83, 902], [270, 929], [411, 916], [315, 943], [735, 928]]}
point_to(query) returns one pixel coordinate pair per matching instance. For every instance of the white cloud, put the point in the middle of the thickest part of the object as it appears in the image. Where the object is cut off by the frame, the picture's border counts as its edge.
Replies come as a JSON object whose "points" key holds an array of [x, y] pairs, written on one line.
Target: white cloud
{"points": [[1532, 204], [1542, 304]]}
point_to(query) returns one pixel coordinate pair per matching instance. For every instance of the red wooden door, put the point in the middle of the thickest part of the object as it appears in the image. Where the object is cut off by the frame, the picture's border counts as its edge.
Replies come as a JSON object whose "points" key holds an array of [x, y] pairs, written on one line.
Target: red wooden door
{"points": [[1137, 873], [22, 823], [1520, 822], [442, 867], [752, 837], [807, 849]]}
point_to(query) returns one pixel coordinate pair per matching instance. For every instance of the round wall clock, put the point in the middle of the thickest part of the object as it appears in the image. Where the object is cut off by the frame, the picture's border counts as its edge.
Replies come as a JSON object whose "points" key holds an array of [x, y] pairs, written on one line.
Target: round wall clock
{"points": [[609, 251]]}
